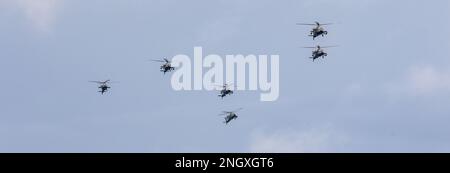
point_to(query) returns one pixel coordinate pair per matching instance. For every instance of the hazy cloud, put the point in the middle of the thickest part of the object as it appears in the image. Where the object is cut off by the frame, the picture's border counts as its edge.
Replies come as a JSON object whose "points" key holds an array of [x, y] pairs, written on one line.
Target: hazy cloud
{"points": [[316, 140], [41, 13], [422, 81], [428, 79]]}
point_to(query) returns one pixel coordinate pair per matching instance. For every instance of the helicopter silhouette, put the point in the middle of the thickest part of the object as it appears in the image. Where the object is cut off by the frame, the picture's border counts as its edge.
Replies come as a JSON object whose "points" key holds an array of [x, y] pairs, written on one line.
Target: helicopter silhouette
{"points": [[225, 90], [318, 30], [166, 67], [230, 115], [319, 52], [103, 85]]}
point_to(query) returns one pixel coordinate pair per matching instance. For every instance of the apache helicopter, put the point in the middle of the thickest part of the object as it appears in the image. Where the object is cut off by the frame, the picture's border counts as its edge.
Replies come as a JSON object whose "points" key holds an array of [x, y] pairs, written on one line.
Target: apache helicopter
{"points": [[319, 52], [103, 85], [166, 67], [318, 30], [230, 115], [225, 90]]}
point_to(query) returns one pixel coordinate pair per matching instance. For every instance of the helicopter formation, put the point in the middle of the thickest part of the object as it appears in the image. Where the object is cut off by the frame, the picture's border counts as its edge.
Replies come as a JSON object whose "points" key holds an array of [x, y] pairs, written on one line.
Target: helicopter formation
{"points": [[315, 32], [166, 67], [225, 90]]}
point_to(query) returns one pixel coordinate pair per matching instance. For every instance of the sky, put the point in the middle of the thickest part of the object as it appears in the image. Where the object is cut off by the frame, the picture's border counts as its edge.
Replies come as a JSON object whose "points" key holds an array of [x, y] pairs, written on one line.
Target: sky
{"points": [[386, 88]]}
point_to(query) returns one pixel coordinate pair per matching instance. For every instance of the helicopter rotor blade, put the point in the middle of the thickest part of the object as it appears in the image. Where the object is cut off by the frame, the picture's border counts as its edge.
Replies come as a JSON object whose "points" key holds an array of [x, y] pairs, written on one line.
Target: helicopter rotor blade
{"points": [[98, 82], [224, 85], [308, 24], [157, 60], [217, 85], [166, 60], [104, 82], [328, 46], [320, 47], [322, 24], [224, 113]]}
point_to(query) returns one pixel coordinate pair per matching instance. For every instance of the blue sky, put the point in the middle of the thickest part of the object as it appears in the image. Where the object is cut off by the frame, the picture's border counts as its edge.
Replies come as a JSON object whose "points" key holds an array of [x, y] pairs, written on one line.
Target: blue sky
{"points": [[385, 89]]}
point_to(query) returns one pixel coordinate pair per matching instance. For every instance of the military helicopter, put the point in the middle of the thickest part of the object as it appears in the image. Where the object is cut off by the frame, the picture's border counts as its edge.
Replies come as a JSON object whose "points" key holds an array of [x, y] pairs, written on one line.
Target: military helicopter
{"points": [[230, 115], [166, 67], [319, 52], [103, 85], [225, 90], [318, 30]]}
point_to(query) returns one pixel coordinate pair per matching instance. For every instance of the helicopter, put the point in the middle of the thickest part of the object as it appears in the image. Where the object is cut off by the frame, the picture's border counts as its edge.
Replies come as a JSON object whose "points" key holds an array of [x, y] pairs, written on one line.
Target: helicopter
{"points": [[166, 67], [319, 52], [225, 90], [230, 115], [103, 85], [318, 30]]}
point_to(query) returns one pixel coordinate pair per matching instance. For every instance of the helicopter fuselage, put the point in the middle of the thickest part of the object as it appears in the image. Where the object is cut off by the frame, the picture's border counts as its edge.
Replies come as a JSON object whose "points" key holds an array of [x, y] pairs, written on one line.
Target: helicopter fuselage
{"points": [[318, 54], [103, 88], [318, 32], [225, 92], [230, 117], [166, 68]]}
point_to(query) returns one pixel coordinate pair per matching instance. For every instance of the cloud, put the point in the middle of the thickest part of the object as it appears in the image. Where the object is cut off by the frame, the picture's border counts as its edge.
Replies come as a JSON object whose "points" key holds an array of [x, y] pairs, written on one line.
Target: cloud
{"points": [[425, 80], [41, 13], [428, 79], [316, 140]]}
